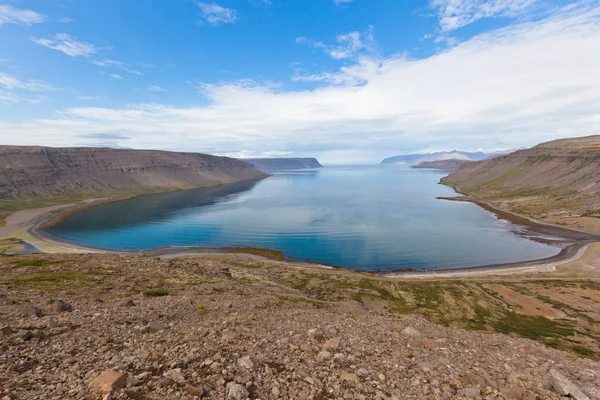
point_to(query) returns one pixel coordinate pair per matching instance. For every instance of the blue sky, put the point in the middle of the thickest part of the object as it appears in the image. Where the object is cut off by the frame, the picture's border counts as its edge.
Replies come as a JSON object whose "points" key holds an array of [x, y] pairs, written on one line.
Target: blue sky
{"points": [[346, 81]]}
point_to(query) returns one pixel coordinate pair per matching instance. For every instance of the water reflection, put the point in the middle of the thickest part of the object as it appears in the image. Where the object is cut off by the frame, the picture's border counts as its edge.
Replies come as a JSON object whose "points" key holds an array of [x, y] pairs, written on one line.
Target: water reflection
{"points": [[356, 217]]}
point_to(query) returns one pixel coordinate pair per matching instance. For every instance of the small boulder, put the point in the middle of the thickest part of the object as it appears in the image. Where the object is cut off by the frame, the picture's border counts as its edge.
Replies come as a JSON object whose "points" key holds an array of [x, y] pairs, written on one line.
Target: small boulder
{"points": [[411, 332], [472, 379], [512, 392], [332, 343], [565, 387], [194, 390], [246, 362], [129, 303], [32, 311], [591, 392], [350, 377], [236, 391], [61, 306], [469, 393], [6, 330], [108, 381]]}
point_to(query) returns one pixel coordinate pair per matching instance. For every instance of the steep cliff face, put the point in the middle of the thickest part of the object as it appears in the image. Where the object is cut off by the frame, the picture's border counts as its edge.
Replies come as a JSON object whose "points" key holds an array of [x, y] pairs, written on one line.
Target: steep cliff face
{"points": [[278, 164], [27, 172], [558, 182]]}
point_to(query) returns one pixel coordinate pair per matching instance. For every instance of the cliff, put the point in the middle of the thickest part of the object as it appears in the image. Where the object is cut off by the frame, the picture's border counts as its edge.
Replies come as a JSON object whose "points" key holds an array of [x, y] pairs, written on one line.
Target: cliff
{"points": [[556, 182], [32, 172], [278, 164], [451, 164]]}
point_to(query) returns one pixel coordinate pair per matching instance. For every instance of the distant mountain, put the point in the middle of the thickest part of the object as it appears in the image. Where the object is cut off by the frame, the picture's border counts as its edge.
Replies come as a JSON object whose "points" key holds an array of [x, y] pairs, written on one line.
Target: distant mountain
{"points": [[33, 171], [413, 159], [279, 164], [450, 165]]}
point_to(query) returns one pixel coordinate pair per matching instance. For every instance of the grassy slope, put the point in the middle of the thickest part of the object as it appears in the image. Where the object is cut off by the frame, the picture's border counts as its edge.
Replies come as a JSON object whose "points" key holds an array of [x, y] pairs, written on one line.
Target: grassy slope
{"points": [[556, 182], [468, 304]]}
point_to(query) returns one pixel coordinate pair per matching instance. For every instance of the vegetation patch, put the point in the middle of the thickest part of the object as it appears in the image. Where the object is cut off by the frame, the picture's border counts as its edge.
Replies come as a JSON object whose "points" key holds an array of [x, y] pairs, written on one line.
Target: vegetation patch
{"points": [[156, 293]]}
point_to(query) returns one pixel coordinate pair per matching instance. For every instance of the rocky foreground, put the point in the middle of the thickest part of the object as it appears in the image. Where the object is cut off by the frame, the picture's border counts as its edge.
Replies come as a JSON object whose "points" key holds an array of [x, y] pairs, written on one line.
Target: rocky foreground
{"points": [[125, 327]]}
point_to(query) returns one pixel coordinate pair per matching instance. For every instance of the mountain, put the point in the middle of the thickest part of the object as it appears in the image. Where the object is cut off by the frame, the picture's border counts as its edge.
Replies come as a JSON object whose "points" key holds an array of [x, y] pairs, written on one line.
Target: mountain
{"points": [[556, 182], [450, 164], [413, 159], [27, 172], [278, 164]]}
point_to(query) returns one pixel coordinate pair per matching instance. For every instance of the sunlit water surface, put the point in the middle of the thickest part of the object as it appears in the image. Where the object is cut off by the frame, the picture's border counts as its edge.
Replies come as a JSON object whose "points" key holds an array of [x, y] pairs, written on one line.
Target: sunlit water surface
{"points": [[368, 218]]}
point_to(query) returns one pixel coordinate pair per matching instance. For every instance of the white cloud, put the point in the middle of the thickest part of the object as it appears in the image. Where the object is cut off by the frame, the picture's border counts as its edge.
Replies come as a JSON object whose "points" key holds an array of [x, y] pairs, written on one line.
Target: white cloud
{"points": [[11, 15], [117, 64], [347, 45], [454, 14], [214, 14], [12, 88], [116, 76], [68, 45], [86, 98], [517, 86], [155, 88]]}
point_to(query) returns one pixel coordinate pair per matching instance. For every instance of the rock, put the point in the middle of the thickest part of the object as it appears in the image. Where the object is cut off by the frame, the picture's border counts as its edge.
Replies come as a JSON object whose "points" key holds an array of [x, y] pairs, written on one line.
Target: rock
{"points": [[108, 381], [52, 324], [152, 327], [61, 306], [565, 387], [512, 392], [6, 330], [236, 391], [472, 379], [324, 355], [108, 396], [591, 392], [129, 303], [350, 377], [193, 390], [26, 335], [246, 362], [469, 393], [410, 331], [332, 343], [32, 311], [176, 375]]}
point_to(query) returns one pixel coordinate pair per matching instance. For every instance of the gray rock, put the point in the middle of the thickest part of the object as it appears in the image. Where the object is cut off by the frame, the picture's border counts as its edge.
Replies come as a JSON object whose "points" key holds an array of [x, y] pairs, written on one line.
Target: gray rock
{"points": [[236, 391], [592, 392], [410, 331], [246, 362], [565, 387], [469, 393], [61, 306]]}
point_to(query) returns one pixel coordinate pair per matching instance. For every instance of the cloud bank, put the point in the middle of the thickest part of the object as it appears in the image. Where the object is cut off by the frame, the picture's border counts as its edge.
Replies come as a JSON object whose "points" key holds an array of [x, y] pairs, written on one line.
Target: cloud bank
{"points": [[515, 86]]}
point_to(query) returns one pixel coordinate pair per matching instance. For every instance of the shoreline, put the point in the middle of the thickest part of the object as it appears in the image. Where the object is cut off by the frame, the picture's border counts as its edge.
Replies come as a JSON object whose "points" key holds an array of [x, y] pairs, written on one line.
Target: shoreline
{"points": [[51, 216]]}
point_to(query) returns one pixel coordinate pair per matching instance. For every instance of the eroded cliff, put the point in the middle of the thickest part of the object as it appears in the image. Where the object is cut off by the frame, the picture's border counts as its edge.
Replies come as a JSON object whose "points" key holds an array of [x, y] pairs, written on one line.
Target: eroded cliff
{"points": [[30, 172], [556, 182]]}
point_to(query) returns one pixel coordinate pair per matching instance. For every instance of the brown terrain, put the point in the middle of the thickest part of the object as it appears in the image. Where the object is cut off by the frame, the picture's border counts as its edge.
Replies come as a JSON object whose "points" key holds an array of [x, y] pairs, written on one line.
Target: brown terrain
{"points": [[450, 164], [230, 326], [32, 174], [274, 164], [556, 182]]}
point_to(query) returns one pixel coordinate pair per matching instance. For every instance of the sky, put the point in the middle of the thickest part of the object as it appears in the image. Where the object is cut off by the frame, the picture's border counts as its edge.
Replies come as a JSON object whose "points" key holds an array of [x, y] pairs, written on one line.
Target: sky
{"points": [[346, 81]]}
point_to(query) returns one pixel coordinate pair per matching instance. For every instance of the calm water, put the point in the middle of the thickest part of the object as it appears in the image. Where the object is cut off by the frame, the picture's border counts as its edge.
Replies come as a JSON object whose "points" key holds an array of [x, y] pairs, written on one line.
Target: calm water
{"points": [[374, 218]]}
